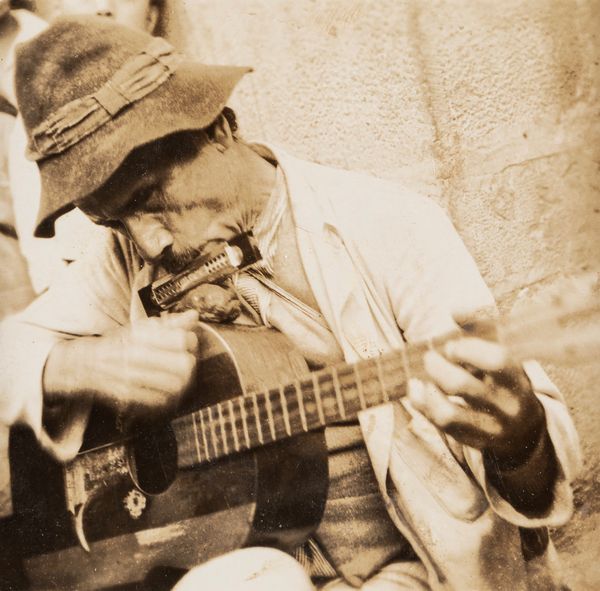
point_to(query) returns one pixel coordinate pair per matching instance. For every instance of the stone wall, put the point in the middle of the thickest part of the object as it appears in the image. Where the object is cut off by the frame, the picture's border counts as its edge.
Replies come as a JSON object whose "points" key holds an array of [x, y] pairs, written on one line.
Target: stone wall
{"points": [[492, 108]]}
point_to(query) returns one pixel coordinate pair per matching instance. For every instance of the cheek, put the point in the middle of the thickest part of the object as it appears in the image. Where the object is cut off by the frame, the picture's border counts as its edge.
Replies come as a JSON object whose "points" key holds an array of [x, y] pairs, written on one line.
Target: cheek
{"points": [[188, 227]]}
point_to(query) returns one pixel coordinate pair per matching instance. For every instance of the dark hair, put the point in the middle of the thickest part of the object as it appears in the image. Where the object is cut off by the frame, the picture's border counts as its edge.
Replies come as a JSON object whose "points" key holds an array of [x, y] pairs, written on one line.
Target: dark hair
{"points": [[229, 114]]}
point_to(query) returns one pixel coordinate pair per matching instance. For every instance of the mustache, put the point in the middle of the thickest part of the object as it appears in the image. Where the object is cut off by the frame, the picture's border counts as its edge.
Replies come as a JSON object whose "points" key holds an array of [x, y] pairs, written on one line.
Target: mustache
{"points": [[173, 262]]}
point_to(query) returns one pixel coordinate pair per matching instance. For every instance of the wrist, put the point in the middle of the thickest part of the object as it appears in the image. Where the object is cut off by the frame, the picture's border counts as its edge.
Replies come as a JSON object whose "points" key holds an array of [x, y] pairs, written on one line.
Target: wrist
{"points": [[69, 370]]}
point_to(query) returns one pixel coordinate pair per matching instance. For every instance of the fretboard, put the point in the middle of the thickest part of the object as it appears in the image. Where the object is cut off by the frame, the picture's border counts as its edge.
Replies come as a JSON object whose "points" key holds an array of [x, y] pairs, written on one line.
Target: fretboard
{"points": [[327, 396], [552, 332]]}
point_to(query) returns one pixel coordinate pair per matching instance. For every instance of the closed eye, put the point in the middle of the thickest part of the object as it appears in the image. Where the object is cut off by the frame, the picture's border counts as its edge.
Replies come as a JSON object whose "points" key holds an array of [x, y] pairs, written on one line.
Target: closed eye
{"points": [[141, 195]]}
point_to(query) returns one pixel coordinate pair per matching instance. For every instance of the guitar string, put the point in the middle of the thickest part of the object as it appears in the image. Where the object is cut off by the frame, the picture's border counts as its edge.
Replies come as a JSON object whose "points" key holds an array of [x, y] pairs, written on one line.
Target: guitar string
{"points": [[389, 364], [408, 358]]}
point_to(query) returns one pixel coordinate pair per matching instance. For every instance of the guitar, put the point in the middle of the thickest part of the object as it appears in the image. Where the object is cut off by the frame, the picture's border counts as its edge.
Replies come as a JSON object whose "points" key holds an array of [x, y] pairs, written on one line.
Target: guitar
{"points": [[249, 467]]}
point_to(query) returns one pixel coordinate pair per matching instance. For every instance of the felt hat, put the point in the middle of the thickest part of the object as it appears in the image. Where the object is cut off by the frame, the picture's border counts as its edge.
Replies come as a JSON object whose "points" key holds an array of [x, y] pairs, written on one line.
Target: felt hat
{"points": [[90, 91]]}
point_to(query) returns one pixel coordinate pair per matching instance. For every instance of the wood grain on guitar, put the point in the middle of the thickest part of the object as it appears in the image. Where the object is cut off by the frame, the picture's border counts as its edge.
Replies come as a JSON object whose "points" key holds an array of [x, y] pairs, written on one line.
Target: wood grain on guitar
{"points": [[250, 465]]}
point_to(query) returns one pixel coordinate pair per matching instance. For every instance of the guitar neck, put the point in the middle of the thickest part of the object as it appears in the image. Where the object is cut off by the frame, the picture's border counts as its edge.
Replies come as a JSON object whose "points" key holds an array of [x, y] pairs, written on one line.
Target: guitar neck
{"points": [[334, 394], [338, 393]]}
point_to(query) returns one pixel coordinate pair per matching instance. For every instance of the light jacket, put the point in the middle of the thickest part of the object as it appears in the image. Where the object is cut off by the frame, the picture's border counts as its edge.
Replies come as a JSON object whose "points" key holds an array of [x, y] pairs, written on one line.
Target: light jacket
{"points": [[401, 269], [402, 274]]}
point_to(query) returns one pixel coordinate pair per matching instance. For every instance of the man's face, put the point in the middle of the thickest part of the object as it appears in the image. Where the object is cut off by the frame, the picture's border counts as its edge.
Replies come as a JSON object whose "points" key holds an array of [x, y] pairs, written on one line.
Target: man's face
{"points": [[139, 14], [171, 210]]}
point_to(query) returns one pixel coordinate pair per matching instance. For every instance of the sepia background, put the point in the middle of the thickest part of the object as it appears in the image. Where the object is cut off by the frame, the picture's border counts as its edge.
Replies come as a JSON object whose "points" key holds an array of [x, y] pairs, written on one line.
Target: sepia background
{"points": [[492, 108]]}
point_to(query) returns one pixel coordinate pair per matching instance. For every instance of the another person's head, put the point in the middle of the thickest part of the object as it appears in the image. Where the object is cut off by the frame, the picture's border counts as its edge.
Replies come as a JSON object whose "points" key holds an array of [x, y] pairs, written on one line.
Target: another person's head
{"points": [[139, 14], [138, 137]]}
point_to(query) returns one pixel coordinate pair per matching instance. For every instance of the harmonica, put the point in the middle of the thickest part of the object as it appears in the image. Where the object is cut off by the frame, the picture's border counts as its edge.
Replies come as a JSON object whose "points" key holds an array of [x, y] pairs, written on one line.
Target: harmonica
{"points": [[232, 256]]}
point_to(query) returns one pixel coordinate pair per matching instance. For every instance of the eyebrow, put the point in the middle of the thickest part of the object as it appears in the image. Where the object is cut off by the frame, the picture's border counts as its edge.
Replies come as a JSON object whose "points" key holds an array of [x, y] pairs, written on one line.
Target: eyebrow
{"points": [[213, 204], [166, 204]]}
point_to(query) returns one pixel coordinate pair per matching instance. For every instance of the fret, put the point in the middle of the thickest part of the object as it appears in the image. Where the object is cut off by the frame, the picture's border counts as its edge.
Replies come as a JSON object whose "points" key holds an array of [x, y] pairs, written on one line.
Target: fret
{"points": [[223, 432], [369, 382], [244, 421], [286, 413], [299, 395], [257, 419], [213, 433], [204, 439], [236, 441], [270, 415], [317, 391], [338, 393], [196, 437], [384, 393], [359, 387]]}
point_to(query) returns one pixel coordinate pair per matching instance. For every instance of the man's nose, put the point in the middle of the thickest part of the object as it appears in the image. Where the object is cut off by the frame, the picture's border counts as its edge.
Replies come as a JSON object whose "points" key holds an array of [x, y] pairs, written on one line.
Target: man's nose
{"points": [[150, 237], [104, 8]]}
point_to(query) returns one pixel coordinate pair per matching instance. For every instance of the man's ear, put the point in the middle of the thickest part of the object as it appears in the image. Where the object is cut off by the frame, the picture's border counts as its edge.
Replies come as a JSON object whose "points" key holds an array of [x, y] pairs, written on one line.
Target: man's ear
{"points": [[222, 134], [152, 18]]}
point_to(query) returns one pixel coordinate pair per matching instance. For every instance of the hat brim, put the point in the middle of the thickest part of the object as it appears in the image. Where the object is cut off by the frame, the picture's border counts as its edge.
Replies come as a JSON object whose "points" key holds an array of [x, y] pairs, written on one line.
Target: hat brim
{"points": [[191, 98]]}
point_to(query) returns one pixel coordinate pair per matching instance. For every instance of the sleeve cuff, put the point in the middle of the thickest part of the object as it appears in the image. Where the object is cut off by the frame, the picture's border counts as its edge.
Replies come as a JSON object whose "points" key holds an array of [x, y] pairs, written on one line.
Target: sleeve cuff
{"points": [[566, 453], [22, 362]]}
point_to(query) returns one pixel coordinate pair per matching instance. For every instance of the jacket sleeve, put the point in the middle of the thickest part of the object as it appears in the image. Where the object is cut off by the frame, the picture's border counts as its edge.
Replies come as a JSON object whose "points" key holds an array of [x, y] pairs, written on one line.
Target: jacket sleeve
{"points": [[88, 298], [565, 442], [434, 280]]}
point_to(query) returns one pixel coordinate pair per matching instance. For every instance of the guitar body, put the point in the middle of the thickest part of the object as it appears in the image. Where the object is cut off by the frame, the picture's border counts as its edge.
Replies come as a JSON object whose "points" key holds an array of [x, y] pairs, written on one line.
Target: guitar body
{"points": [[134, 506]]}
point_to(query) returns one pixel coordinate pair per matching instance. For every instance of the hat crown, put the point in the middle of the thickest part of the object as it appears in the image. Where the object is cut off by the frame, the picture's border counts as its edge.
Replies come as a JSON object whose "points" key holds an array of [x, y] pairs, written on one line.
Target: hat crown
{"points": [[91, 91], [72, 58]]}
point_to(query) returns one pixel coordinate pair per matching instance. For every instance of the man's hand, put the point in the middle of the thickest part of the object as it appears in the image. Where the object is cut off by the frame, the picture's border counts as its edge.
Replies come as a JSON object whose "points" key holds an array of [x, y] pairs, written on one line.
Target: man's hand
{"points": [[214, 303], [480, 399], [143, 368]]}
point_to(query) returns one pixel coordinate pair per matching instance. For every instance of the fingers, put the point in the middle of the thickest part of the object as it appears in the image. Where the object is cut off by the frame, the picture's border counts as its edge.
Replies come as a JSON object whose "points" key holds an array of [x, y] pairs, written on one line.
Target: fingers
{"points": [[455, 380], [450, 377], [151, 361], [483, 354], [155, 388], [168, 334], [469, 425], [490, 357], [149, 364], [497, 392], [474, 395], [187, 319]]}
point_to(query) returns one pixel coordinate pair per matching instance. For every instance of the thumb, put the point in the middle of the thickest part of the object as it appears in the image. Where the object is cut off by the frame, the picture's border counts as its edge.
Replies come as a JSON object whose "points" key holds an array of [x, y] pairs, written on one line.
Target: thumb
{"points": [[187, 319], [480, 323]]}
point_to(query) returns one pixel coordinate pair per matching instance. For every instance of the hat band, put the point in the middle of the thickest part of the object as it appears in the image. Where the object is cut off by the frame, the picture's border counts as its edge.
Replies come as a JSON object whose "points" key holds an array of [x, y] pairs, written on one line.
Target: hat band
{"points": [[136, 78]]}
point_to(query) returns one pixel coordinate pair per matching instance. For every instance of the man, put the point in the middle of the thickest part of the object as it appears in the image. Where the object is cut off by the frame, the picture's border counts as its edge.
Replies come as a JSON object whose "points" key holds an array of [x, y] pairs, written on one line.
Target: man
{"points": [[469, 468], [16, 290], [46, 258], [15, 27], [139, 14]]}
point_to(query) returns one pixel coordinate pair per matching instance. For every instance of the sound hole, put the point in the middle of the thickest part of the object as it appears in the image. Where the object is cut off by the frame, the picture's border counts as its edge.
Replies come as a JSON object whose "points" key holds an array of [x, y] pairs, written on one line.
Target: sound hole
{"points": [[153, 460]]}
